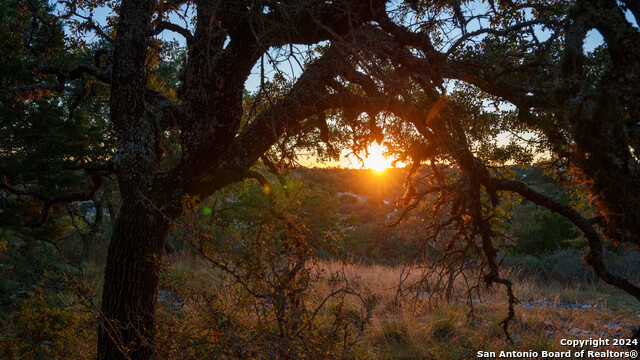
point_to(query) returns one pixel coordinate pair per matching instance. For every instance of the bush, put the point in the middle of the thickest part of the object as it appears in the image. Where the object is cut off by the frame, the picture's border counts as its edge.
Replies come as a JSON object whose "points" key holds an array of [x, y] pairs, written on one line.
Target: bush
{"points": [[567, 266], [540, 231], [42, 329], [264, 296]]}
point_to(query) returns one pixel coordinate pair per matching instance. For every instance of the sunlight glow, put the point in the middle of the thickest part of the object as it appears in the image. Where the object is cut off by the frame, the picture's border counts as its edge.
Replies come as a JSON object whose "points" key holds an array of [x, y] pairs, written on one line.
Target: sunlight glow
{"points": [[376, 161]]}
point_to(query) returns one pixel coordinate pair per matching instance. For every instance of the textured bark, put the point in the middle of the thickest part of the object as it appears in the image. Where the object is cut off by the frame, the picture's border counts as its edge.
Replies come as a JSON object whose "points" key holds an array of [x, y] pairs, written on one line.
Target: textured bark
{"points": [[131, 282], [135, 251], [602, 118], [221, 54], [229, 38]]}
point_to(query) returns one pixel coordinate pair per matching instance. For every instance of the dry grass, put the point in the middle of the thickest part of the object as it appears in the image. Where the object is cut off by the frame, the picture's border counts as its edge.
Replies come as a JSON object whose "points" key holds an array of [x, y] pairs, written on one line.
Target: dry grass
{"points": [[415, 328], [412, 328], [550, 312]]}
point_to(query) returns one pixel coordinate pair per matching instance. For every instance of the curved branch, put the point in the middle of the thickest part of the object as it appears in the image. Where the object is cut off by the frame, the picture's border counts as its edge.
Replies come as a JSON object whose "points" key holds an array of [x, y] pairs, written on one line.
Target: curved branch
{"points": [[313, 24], [165, 25], [477, 169], [594, 257], [72, 73], [503, 32], [96, 182]]}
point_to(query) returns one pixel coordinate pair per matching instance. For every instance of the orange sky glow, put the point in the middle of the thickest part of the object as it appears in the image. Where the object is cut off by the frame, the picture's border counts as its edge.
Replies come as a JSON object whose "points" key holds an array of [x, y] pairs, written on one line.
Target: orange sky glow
{"points": [[375, 161]]}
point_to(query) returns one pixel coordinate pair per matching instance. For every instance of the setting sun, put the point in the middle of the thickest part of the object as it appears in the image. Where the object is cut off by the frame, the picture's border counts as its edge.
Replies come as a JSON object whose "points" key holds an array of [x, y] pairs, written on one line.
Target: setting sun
{"points": [[376, 161]]}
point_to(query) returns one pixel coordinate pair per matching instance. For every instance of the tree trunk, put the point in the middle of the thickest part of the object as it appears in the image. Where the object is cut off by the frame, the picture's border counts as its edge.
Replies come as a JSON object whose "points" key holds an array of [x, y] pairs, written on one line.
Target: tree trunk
{"points": [[137, 244], [131, 282]]}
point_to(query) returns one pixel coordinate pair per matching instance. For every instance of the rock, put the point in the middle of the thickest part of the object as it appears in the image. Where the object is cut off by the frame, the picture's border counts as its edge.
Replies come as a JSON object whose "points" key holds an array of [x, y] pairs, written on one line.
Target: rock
{"points": [[165, 296]]}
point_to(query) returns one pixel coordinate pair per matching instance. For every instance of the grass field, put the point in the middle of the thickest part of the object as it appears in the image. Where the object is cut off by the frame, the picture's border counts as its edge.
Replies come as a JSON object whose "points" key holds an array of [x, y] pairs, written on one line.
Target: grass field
{"points": [[203, 314], [412, 327], [547, 313]]}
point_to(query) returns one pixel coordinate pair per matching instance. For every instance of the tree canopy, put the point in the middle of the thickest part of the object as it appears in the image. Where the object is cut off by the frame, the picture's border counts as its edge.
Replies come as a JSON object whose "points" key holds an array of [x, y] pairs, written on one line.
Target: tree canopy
{"points": [[437, 82]]}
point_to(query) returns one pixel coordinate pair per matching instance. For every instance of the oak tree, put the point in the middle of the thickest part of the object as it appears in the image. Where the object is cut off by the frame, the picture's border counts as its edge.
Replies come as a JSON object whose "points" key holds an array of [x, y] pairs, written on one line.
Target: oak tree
{"points": [[419, 72]]}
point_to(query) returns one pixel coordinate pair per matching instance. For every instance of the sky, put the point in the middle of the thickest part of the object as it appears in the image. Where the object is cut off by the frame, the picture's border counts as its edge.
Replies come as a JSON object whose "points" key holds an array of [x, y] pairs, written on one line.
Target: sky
{"points": [[292, 69]]}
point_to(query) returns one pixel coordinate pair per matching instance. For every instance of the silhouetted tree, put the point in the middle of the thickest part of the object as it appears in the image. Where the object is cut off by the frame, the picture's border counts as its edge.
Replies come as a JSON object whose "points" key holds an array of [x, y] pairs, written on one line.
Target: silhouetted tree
{"points": [[420, 72]]}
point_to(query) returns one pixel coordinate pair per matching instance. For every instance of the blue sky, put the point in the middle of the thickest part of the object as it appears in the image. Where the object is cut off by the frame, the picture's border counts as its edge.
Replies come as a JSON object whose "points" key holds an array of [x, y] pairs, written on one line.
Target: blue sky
{"points": [[291, 69]]}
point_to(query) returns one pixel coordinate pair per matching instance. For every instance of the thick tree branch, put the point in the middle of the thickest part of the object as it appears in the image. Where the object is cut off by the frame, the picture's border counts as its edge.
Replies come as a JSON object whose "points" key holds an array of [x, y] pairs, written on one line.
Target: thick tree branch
{"points": [[300, 24], [165, 25], [594, 257], [95, 183]]}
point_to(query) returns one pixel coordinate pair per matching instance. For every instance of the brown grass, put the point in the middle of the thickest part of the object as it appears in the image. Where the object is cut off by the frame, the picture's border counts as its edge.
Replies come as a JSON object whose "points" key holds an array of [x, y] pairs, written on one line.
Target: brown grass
{"points": [[417, 330]]}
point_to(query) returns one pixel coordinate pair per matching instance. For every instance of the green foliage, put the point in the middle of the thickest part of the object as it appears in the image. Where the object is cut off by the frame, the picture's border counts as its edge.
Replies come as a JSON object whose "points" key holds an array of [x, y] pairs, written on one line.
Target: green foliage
{"points": [[262, 242], [536, 230], [47, 134], [28, 263], [567, 266], [541, 231]]}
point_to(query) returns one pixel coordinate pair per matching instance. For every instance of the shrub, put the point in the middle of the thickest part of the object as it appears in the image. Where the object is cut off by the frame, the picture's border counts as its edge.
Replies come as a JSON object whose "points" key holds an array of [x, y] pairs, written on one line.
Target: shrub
{"points": [[42, 329]]}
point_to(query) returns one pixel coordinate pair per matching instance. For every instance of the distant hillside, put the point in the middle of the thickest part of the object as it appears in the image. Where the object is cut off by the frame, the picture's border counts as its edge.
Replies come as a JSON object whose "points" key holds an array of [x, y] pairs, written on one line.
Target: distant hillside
{"points": [[387, 185]]}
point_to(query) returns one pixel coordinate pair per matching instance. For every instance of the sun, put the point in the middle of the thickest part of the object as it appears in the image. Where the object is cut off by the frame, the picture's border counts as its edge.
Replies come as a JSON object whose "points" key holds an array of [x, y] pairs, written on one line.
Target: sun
{"points": [[376, 161]]}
